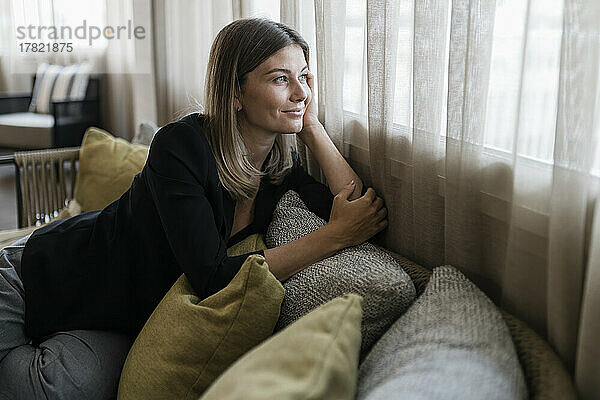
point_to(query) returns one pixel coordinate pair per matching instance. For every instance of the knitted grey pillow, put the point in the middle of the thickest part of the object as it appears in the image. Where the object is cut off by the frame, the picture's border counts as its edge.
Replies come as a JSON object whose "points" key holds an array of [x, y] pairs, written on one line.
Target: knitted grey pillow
{"points": [[452, 343], [364, 269]]}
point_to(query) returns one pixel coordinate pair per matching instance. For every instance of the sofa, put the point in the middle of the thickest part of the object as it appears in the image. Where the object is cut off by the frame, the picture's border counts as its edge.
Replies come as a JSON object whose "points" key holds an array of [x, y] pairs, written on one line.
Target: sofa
{"points": [[348, 372]]}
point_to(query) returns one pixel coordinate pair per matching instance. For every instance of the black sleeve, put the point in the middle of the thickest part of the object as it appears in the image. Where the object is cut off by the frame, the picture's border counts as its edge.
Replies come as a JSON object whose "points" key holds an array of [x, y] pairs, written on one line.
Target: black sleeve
{"points": [[317, 197], [177, 170]]}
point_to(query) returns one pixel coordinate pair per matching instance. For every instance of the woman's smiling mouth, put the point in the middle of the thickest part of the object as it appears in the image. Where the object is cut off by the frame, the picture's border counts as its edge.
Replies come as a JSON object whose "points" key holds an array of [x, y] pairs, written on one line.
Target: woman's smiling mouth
{"points": [[297, 112]]}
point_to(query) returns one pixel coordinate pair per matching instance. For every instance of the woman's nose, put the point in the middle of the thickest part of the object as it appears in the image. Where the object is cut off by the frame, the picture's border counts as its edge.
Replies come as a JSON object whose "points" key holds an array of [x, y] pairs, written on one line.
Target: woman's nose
{"points": [[299, 91]]}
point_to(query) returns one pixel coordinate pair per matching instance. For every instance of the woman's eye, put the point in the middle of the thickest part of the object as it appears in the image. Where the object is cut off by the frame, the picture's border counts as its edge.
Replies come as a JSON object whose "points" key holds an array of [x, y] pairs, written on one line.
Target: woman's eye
{"points": [[280, 79], [304, 77]]}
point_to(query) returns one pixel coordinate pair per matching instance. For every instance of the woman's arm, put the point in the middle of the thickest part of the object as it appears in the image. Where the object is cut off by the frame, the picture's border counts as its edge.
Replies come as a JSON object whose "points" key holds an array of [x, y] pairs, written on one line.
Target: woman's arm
{"points": [[336, 169], [285, 260], [351, 223]]}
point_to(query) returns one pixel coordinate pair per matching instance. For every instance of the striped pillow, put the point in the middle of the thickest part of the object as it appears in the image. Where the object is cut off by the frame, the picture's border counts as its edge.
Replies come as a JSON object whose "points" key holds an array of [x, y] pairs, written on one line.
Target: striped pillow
{"points": [[63, 82], [80, 81], [44, 83]]}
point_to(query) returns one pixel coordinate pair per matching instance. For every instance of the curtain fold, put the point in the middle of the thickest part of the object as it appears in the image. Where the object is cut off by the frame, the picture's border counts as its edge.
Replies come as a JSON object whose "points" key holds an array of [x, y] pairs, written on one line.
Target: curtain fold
{"points": [[382, 38], [573, 157], [587, 373], [300, 14], [471, 33], [9, 82], [430, 38], [129, 95]]}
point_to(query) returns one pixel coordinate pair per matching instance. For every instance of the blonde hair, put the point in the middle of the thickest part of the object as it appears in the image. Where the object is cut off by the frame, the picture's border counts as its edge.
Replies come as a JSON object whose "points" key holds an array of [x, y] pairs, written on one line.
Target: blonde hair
{"points": [[238, 49]]}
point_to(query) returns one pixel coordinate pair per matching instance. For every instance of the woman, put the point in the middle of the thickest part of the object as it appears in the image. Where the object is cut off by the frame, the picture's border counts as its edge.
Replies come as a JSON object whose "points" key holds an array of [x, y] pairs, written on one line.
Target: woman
{"points": [[210, 181]]}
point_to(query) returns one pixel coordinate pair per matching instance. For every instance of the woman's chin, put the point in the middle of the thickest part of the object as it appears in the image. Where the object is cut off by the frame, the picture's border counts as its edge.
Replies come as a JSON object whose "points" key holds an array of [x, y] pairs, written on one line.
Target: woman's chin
{"points": [[292, 128]]}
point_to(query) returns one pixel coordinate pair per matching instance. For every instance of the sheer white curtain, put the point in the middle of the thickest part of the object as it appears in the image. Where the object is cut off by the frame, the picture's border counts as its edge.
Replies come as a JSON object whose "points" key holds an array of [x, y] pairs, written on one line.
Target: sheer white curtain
{"points": [[17, 66], [129, 90], [185, 30], [476, 120]]}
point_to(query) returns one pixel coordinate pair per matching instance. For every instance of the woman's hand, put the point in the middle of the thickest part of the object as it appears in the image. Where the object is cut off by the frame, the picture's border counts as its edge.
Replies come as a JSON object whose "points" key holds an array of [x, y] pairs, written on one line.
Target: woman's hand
{"points": [[354, 222], [309, 120]]}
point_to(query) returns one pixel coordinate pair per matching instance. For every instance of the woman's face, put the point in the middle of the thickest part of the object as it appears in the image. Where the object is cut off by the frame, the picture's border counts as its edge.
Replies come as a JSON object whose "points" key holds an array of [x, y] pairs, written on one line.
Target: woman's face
{"points": [[276, 93]]}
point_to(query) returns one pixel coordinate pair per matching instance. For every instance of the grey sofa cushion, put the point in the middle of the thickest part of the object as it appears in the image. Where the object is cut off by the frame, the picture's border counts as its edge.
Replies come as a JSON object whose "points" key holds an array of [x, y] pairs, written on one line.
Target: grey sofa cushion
{"points": [[452, 343], [145, 133], [26, 130], [364, 269]]}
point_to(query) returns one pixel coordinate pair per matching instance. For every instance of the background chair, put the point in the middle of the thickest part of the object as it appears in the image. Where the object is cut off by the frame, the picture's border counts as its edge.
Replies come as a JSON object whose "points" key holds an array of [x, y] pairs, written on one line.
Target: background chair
{"points": [[63, 126]]}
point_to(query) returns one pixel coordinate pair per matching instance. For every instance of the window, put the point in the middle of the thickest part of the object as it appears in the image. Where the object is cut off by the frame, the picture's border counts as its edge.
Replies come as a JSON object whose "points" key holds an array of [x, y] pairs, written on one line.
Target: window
{"points": [[262, 8], [38, 19], [534, 58]]}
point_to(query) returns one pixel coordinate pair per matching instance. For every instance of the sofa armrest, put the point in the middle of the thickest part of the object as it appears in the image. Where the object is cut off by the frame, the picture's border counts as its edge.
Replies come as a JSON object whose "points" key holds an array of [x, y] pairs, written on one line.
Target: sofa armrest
{"points": [[71, 112], [13, 103], [8, 237]]}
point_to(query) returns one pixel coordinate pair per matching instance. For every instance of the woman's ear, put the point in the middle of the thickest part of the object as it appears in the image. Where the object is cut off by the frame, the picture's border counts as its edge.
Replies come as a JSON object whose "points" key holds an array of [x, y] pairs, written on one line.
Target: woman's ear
{"points": [[237, 103]]}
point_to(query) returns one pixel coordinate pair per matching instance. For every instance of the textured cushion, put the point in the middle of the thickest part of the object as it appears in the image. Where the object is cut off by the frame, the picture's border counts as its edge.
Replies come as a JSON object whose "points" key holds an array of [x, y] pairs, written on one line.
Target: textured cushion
{"points": [[452, 343], [107, 166], [186, 343], [314, 358], [545, 374], [364, 269]]}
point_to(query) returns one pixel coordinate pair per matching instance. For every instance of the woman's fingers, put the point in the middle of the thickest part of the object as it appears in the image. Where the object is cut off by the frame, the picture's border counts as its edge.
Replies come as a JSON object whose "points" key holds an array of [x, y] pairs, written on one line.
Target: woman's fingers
{"points": [[309, 80], [381, 213], [378, 203]]}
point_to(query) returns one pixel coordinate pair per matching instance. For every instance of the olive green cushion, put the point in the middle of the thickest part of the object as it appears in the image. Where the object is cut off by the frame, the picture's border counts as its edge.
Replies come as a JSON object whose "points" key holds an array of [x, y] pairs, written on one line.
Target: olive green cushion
{"points": [[316, 357], [107, 166], [187, 343]]}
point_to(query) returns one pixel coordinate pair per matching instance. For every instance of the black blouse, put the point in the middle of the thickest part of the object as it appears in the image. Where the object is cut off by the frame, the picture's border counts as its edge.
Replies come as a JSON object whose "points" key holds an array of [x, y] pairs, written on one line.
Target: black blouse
{"points": [[109, 269]]}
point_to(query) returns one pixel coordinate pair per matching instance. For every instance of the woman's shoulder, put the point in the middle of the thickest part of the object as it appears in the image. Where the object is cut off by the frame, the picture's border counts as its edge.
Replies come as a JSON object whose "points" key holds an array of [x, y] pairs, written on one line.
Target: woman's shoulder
{"points": [[186, 130], [181, 147], [185, 137]]}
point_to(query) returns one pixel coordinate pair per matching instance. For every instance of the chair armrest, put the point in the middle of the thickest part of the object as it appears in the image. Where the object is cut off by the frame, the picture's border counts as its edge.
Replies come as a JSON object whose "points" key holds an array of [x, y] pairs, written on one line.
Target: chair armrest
{"points": [[75, 111], [45, 182], [62, 102], [13, 103], [9, 159]]}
